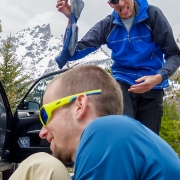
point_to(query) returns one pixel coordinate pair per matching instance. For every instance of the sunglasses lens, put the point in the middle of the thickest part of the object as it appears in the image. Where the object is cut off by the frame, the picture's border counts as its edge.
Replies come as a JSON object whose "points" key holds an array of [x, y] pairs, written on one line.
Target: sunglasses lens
{"points": [[114, 1], [44, 115]]}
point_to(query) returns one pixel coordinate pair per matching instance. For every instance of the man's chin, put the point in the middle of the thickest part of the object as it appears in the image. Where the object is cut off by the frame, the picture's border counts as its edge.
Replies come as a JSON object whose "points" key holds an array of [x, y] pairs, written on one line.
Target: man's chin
{"points": [[66, 161]]}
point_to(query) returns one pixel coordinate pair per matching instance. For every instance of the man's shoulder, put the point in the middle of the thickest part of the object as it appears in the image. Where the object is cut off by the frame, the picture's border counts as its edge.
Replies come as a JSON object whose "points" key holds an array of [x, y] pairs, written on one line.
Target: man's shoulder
{"points": [[113, 121], [154, 13], [108, 19], [152, 9]]}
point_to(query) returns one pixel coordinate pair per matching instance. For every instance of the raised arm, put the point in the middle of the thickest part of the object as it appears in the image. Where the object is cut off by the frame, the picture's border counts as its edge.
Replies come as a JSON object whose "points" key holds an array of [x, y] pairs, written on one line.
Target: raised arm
{"points": [[65, 8]]}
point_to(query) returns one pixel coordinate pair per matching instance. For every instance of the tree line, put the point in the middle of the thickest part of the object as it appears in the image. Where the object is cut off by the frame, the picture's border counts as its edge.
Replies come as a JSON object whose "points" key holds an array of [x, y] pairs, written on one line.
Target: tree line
{"points": [[14, 84], [17, 85]]}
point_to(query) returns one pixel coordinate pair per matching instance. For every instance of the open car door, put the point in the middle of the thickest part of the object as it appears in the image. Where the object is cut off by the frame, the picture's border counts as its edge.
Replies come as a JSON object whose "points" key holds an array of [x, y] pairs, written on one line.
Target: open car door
{"points": [[19, 133]]}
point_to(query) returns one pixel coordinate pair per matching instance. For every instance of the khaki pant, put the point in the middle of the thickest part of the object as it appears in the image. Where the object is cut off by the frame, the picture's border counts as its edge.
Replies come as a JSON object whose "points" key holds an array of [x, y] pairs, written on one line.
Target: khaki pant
{"points": [[41, 166]]}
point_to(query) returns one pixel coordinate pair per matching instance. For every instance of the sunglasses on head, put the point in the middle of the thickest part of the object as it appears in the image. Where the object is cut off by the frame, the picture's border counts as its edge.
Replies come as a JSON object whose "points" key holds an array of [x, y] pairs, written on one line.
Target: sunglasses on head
{"points": [[46, 110], [113, 1]]}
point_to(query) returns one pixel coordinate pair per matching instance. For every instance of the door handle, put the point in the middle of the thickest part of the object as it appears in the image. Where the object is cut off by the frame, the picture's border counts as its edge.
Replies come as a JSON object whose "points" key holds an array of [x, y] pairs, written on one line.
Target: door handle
{"points": [[30, 113]]}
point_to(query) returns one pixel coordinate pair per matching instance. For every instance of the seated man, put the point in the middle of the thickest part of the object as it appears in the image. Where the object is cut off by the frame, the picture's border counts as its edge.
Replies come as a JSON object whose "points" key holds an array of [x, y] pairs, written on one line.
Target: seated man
{"points": [[82, 122]]}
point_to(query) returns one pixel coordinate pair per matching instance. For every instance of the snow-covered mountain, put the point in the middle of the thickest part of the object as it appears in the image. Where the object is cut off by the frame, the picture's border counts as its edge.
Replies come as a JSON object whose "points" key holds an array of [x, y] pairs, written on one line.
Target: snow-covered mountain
{"points": [[36, 49]]}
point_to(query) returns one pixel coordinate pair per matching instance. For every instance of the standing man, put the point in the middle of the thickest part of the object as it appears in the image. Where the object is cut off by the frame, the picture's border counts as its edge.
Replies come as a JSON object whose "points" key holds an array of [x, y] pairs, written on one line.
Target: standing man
{"points": [[144, 52], [82, 122]]}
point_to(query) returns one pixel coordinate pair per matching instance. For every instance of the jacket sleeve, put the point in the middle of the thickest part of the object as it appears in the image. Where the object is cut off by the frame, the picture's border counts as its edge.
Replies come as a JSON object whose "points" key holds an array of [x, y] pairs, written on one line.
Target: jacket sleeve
{"points": [[93, 39], [71, 34], [163, 36]]}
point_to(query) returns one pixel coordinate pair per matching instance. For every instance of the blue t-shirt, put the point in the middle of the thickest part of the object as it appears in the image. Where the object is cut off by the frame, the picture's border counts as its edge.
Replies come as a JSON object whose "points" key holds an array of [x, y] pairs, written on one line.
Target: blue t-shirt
{"points": [[118, 147]]}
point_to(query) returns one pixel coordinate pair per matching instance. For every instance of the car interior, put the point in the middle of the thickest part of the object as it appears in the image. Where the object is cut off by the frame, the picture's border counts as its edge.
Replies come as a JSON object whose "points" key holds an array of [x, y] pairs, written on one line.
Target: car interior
{"points": [[19, 132]]}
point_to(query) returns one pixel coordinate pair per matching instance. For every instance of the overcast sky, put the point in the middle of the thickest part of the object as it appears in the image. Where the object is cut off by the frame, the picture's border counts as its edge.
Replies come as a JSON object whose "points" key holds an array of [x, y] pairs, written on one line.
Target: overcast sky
{"points": [[16, 15]]}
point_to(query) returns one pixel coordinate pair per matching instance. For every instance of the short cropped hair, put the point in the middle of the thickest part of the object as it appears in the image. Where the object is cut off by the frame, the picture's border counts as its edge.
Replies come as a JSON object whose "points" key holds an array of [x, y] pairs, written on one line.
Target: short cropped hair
{"points": [[90, 77]]}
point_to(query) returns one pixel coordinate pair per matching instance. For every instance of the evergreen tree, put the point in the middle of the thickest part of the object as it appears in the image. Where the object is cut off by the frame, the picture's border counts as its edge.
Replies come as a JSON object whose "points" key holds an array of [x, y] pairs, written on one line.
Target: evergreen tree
{"points": [[108, 70], [15, 85], [170, 125]]}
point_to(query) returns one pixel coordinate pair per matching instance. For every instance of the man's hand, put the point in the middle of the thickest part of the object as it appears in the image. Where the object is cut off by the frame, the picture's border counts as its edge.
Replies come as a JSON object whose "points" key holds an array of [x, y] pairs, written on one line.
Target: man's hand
{"points": [[64, 7], [145, 83]]}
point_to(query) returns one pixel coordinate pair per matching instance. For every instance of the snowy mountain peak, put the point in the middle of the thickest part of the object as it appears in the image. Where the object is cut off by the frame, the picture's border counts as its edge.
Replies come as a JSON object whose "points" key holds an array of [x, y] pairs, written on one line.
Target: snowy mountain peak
{"points": [[44, 32], [36, 49]]}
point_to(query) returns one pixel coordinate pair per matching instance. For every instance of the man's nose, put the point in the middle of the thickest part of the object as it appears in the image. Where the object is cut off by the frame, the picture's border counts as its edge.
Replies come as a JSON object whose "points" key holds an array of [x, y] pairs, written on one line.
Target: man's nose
{"points": [[43, 133]]}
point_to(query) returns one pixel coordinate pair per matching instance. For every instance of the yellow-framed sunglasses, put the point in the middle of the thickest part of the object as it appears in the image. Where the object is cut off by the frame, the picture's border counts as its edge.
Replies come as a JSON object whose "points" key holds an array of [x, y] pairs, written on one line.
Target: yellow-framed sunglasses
{"points": [[46, 110]]}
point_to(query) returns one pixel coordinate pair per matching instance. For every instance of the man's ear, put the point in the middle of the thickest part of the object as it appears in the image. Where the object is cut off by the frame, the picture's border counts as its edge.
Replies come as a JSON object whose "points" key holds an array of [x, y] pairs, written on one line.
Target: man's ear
{"points": [[110, 4], [81, 106]]}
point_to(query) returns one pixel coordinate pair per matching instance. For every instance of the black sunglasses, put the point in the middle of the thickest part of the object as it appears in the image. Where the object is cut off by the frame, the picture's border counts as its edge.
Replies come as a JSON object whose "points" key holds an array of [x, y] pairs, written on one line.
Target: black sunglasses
{"points": [[113, 1]]}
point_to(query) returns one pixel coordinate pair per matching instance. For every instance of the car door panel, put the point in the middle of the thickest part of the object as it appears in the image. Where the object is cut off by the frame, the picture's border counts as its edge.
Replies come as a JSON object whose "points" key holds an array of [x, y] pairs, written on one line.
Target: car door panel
{"points": [[22, 129], [26, 140], [5, 124]]}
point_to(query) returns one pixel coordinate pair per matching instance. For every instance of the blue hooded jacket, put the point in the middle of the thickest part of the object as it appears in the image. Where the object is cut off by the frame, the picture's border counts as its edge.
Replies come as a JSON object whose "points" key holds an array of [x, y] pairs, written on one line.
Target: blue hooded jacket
{"points": [[147, 49]]}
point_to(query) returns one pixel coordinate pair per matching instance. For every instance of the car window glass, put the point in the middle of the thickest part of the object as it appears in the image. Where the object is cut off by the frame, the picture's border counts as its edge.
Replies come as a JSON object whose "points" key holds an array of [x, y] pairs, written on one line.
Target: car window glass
{"points": [[2, 123], [33, 100]]}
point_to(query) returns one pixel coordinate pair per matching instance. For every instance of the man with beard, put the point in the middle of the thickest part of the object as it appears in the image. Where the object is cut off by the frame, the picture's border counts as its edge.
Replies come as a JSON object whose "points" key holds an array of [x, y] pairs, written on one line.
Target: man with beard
{"points": [[82, 121], [144, 54]]}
